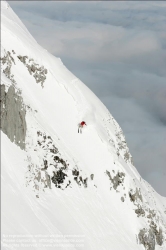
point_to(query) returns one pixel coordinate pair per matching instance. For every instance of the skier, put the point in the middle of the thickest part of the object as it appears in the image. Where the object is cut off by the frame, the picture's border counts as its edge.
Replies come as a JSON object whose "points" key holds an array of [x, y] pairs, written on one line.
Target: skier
{"points": [[80, 126]]}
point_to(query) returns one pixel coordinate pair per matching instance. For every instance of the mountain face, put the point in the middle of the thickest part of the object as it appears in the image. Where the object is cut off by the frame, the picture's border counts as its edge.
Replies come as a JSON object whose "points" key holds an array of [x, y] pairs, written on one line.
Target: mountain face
{"points": [[62, 189]]}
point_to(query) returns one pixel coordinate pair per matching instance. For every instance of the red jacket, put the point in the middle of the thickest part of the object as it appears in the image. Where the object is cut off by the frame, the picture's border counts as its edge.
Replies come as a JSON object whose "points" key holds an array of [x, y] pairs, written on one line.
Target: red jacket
{"points": [[83, 123]]}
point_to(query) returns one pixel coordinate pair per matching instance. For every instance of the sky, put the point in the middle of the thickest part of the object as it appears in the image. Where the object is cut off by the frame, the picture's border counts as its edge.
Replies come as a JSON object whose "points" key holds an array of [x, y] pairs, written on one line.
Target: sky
{"points": [[118, 49]]}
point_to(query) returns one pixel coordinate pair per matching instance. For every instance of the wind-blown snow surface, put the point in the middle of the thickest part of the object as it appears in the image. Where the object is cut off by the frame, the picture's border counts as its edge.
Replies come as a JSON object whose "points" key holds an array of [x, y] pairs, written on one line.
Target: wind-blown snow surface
{"points": [[82, 188]]}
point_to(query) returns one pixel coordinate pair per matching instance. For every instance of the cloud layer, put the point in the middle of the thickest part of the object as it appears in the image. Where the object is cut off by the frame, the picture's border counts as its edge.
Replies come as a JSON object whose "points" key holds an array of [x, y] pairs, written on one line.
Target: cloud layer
{"points": [[118, 49]]}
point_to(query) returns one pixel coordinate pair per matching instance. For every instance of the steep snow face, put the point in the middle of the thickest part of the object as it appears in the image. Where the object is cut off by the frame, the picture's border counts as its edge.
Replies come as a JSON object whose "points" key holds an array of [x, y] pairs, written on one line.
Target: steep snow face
{"points": [[65, 189]]}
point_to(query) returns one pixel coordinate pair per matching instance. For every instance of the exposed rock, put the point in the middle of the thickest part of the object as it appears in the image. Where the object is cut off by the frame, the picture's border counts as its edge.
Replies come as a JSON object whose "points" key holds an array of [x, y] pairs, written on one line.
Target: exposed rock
{"points": [[13, 122], [122, 199], [117, 179], [38, 176], [58, 178], [159, 237], [50, 163], [39, 73], [92, 176], [85, 182], [122, 148], [79, 179], [45, 164], [7, 62], [33, 68], [151, 214], [147, 238], [60, 160], [158, 233], [135, 196], [75, 172], [48, 180], [127, 156], [140, 212], [23, 59]]}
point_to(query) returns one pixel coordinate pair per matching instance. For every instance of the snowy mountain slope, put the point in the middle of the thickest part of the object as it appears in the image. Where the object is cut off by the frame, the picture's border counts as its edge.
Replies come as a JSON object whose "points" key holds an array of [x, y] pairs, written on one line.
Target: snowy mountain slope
{"points": [[57, 183]]}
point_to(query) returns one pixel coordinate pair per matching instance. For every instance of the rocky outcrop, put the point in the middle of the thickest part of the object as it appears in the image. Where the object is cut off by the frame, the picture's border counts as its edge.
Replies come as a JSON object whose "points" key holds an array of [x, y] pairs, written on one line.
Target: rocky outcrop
{"points": [[38, 72], [13, 122], [79, 179], [140, 211], [149, 237], [119, 143], [117, 180], [58, 178], [135, 195], [6, 62]]}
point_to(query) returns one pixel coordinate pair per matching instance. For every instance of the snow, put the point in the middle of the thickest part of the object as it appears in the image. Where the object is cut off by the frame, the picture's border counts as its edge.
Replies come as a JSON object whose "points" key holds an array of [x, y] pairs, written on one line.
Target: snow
{"points": [[96, 214]]}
